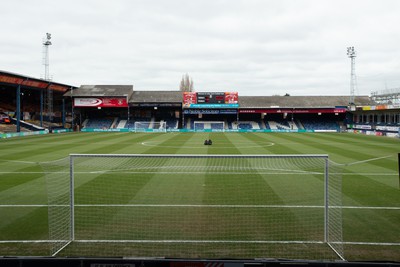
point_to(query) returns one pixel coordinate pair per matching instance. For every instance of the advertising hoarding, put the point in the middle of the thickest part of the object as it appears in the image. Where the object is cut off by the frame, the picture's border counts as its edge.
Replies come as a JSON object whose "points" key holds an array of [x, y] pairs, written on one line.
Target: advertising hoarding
{"points": [[103, 102]]}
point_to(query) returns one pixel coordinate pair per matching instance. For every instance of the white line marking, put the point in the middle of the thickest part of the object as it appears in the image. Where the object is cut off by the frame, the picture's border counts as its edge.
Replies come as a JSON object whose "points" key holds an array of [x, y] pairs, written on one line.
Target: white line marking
{"points": [[284, 172], [146, 143], [369, 208], [204, 241], [236, 145], [19, 172], [19, 161], [372, 243], [27, 206], [364, 161], [65, 245], [198, 206], [30, 241], [297, 172]]}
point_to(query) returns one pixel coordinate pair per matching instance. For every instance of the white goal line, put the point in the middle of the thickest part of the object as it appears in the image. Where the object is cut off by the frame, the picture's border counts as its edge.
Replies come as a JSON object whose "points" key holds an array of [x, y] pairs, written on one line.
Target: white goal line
{"points": [[205, 241], [201, 241], [272, 173], [197, 206], [224, 173]]}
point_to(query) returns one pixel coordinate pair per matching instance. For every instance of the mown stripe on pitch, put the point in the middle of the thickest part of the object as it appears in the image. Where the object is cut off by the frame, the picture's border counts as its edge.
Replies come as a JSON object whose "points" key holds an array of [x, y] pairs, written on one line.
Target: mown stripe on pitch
{"points": [[370, 225], [348, 148], [11, 180], [24, 223], [363, 189]]}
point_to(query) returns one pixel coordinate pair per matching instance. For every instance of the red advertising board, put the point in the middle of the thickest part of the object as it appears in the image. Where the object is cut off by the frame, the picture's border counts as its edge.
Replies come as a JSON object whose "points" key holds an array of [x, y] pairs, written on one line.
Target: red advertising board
{"points": [[189, 98], [231, 97], [103, 102]]}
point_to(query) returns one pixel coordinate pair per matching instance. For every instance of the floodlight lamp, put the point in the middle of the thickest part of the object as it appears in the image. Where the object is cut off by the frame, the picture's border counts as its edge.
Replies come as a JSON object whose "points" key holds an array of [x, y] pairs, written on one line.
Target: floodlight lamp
{"points": [[350, 51]]}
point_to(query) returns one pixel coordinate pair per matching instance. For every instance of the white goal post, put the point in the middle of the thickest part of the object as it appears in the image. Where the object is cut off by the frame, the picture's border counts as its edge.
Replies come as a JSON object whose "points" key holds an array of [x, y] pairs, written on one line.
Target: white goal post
{"points": [[150, 126], [195, 206], [204, 126]]}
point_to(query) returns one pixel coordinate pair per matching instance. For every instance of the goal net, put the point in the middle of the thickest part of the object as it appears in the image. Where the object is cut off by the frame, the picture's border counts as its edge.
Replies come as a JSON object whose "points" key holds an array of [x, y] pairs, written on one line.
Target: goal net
{"points": [[150, 126], [196, 206], [211, 126]]}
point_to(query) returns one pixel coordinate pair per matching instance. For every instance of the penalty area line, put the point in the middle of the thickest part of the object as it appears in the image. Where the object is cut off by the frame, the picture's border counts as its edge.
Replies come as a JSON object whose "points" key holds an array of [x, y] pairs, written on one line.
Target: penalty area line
{"points": [[364, 161]]}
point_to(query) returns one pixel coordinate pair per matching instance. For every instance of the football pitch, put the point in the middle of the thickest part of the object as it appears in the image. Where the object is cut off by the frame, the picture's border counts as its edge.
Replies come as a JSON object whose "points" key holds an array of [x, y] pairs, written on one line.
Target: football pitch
{"points": [[370, 192]]}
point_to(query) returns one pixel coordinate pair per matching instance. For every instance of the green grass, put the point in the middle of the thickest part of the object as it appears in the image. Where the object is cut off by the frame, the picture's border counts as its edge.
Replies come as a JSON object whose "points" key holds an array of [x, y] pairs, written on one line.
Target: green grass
{"points": [[370, 179]]}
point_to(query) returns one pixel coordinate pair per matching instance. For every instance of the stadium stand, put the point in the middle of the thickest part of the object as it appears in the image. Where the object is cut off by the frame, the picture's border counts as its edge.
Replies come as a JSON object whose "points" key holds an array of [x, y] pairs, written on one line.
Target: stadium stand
{"points": [[320, 125], [12, 127], [255, 113], [245, 125], [172, 123], [8, 128], [121, 124], [99, 123]]}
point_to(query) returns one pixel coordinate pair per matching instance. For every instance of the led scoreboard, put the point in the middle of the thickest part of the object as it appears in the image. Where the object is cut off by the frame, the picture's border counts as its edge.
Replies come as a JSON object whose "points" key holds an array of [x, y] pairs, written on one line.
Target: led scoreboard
{"points": [[210, 100]]}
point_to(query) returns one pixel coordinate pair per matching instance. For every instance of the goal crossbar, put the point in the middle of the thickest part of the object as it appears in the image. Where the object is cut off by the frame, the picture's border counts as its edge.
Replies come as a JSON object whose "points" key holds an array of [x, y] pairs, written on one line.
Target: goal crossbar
{"points": [[123, 165]]}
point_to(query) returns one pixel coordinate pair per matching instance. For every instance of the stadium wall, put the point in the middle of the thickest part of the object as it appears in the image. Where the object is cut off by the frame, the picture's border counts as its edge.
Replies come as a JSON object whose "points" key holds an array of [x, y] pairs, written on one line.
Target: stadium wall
{"points": [[378, 130], [9, 135], [208, 130]]}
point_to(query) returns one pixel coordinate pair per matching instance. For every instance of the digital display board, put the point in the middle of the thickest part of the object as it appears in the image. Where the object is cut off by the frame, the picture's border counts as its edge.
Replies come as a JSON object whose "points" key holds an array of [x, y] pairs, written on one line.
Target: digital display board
{"points": [[210, 100]]}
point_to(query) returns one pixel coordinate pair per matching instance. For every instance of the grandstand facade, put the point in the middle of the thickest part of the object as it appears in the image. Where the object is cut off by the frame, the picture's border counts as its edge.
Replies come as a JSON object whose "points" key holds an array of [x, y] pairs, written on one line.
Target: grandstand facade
{"points": [[122, 108], [251, 113], [23, 99]]}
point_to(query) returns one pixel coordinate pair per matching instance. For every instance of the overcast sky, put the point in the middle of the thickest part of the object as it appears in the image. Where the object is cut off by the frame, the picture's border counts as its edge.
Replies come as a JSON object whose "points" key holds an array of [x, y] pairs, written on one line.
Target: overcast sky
{"points": [[259, 47]]}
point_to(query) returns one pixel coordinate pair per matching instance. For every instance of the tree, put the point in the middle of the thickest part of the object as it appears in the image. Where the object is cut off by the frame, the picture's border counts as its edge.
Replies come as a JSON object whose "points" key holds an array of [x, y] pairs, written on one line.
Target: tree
{"points": [[186, 84]]}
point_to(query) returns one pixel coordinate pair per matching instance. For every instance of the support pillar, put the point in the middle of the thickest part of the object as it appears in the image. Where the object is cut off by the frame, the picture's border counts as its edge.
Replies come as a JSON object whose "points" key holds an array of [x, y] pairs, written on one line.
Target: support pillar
{"points": [[18, 108], [63, 113]]}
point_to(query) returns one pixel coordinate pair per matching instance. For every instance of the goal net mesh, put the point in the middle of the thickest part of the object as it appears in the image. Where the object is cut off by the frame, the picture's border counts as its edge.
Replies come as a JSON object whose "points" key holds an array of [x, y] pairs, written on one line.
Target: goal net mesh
{"points": [[189, 206], [147, 126]]}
